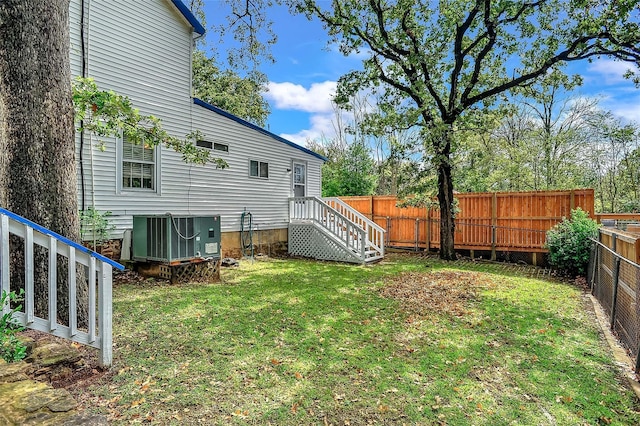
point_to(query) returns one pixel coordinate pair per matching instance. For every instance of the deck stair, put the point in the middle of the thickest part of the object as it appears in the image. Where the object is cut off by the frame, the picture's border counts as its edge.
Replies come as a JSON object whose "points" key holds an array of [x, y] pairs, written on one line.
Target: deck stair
{"points": [[329, 229]]}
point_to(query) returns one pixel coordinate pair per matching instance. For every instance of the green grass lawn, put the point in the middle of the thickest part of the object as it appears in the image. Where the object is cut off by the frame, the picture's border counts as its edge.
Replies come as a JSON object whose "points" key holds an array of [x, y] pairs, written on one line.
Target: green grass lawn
{"points": [[301, 342]]}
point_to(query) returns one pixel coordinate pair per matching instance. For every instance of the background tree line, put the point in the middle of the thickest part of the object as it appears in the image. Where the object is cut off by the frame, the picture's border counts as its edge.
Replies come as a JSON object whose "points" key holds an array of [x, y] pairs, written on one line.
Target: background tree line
{"points": [[543, 139]]}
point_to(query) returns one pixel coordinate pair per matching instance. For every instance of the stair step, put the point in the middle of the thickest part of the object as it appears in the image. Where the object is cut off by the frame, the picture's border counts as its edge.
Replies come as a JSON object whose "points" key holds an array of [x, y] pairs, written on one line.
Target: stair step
{"points": [[344, 226]]}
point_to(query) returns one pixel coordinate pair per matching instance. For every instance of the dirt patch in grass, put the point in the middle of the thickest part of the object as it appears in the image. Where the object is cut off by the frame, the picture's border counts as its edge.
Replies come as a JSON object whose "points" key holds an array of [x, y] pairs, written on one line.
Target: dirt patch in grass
{"points": [[71, 376], [437, 292]]}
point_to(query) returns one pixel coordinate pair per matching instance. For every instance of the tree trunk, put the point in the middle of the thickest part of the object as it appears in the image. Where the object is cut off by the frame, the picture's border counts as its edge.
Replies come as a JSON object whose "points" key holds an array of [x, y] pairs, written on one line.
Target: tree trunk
{"points": [[37, 142], [445, 193]]}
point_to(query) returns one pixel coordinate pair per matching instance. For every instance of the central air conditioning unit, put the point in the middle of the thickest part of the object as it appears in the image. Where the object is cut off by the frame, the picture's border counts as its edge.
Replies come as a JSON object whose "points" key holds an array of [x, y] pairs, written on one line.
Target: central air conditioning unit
{"points": [[176, 239]]}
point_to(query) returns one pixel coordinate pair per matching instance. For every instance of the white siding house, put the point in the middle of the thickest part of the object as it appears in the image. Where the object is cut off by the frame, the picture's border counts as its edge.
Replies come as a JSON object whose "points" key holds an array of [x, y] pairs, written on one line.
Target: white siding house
{"points": [[142, 49]]}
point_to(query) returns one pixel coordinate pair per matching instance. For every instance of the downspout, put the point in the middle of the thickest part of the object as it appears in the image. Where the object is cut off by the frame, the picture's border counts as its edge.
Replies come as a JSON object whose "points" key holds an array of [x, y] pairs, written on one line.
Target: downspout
{"points": [[84, 75], [191, 48]]}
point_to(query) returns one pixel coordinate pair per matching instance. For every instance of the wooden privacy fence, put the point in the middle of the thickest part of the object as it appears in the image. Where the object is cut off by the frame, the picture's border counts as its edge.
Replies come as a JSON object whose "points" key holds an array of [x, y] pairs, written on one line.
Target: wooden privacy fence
{"points": [[97, 276], [488, 221], [614, 276]]}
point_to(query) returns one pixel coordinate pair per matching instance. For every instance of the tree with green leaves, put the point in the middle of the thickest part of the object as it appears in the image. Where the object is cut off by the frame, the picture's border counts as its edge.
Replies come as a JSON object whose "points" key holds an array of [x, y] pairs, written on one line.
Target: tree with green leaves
{"points": [[444, 61], [226, 88], [241, 96], [107, 113], [611, 156], [349, 171]]}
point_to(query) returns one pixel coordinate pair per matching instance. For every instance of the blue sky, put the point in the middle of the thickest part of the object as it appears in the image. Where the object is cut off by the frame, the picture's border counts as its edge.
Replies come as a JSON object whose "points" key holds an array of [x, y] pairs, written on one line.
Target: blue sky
{"points": [[303, 79]]}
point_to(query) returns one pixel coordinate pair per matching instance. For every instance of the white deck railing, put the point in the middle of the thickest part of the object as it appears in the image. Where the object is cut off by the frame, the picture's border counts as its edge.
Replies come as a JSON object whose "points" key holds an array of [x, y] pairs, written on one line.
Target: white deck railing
{"points": [[342, 224], [98, 272], [375, 233]]}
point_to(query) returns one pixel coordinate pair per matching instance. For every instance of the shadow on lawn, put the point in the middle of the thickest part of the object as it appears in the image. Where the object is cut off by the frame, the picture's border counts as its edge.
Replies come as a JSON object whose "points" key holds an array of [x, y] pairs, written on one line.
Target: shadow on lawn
{"points": [[294, 342]]}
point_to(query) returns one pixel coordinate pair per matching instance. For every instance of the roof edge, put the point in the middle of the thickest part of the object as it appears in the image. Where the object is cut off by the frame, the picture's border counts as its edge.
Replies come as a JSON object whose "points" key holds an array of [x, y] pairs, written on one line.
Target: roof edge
{"points": [[189, 16], [245, 123]]}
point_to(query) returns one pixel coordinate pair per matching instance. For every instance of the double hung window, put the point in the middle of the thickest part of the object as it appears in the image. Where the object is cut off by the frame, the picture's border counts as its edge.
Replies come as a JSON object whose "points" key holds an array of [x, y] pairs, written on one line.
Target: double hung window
{"points": [[138, 166]]}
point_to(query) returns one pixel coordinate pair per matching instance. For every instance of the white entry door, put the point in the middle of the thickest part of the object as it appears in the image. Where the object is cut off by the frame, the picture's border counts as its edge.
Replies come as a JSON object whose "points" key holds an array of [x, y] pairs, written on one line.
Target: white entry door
{"points": [[299, 180]]}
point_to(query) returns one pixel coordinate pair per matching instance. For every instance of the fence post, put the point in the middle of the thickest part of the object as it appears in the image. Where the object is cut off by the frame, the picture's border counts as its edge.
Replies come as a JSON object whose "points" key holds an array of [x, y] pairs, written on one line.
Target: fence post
{"points": [[596, 259], [417, 233], [429, 229], [616, 278], [371, 206], [4, 261], [388, 230], [105, 312], [572, 200], [494, 222]]}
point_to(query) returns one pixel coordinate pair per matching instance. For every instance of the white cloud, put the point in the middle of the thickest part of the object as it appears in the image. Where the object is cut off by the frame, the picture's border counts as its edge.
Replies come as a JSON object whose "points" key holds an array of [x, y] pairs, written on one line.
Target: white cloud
{"points": [[612, 71], [315, 99], [322, 126], [629, 109]]}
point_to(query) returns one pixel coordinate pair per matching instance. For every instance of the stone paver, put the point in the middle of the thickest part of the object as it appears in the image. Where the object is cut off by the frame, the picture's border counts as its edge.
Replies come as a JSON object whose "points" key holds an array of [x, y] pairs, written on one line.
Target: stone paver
{"points": [[29, 402]]}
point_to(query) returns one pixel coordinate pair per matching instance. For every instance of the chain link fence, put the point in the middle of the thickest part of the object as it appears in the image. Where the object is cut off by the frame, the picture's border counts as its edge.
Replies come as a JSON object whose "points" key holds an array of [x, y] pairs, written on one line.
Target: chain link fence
{"points": [[615, 283]]}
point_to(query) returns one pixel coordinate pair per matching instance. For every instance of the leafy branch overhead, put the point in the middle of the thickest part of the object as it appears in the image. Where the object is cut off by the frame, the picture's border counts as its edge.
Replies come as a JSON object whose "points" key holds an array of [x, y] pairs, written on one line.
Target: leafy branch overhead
{"points": [[443, 62], [457, 54], [106, 113]]}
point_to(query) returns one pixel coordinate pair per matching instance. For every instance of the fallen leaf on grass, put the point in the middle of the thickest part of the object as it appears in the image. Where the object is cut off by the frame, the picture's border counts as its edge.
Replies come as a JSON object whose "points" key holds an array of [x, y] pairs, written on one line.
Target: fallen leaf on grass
{"points": [[563, 399], [137, 402], [123, 370], [240, 413], [446, 292], [298, 376]]}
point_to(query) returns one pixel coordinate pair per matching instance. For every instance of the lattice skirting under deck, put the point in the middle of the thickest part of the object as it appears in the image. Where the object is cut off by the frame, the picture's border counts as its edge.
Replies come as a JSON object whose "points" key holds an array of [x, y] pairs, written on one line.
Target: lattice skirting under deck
{"points": [[307, 240]]}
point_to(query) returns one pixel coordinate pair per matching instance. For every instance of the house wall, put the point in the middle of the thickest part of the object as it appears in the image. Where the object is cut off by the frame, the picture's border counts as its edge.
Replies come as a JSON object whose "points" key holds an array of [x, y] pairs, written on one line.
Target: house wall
{"points": [[145, 54]]}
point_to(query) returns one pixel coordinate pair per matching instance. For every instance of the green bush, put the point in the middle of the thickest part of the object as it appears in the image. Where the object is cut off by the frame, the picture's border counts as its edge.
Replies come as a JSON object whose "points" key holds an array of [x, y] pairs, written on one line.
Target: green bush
{"points": [[569, 245], [11, 348]]}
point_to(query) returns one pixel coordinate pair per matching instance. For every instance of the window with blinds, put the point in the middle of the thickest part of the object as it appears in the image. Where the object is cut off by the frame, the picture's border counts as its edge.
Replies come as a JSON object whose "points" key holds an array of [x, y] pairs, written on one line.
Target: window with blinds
{"points": [[258, 169], [138, 165]]}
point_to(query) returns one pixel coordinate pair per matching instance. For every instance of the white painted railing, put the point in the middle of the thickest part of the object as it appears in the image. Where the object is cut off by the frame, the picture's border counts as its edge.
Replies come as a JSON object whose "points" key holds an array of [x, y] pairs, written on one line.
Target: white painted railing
{"points": [[98, 272], [353, 233], [375, 233]]}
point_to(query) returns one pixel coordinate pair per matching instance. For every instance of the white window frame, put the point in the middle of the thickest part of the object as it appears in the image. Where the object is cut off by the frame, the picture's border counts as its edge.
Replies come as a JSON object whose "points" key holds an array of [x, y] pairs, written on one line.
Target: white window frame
{"points": [[120, 188], [258, 176]]}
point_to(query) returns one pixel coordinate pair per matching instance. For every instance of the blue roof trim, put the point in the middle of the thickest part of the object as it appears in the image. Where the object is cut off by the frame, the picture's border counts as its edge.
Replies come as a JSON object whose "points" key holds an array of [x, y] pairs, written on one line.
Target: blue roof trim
{"points": [[256, 128], [59, 237], [197, 26]]}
